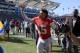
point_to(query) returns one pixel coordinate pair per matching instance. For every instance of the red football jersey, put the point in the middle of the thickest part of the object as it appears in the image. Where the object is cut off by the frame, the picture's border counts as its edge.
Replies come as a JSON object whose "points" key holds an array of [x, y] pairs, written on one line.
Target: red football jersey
{"points": [[43, 27]]}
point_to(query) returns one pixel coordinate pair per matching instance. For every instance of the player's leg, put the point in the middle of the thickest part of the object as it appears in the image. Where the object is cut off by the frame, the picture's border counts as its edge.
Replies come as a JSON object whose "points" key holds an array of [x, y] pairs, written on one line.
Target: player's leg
{"points": [[40, 46], [48, 45]]}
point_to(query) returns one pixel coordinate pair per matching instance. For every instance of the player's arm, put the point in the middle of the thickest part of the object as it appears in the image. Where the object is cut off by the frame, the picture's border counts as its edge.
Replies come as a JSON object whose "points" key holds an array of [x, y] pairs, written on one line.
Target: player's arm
{"points": [[37, 29]]}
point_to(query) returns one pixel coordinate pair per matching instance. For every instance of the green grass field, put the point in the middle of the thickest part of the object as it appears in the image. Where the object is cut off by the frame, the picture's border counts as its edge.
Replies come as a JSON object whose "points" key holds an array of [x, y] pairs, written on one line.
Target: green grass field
{"points": [[23, 45]]}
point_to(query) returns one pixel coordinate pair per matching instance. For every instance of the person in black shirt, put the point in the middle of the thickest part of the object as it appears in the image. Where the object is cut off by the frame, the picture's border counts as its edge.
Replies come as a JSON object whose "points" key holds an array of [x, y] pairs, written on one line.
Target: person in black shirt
{"points": [[76, 32], [76, 28]]}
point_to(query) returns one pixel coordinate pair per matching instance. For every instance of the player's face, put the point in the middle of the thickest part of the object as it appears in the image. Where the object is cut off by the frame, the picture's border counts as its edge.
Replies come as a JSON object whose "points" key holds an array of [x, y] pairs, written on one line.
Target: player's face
{"points": [[43, 15]]}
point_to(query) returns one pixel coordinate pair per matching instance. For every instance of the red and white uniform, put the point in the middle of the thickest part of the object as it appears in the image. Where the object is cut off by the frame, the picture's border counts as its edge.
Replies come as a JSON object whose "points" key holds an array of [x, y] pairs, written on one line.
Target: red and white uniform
{"points": [[44, 26], [44, 31]]}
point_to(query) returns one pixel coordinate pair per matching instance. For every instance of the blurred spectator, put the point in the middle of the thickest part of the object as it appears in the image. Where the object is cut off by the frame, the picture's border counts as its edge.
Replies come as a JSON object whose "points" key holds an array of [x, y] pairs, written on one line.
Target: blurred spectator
{"points": [[76, 31], [26, 27], [7, 27], [12, 24]]}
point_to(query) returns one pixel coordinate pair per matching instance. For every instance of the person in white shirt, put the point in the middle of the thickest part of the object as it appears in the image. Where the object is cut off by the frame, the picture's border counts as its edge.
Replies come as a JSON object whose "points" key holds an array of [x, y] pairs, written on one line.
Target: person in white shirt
{"points": [[26, 27]]}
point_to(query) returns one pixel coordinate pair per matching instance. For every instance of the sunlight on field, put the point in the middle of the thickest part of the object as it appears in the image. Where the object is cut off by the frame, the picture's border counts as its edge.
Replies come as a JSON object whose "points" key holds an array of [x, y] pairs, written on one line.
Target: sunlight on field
{"points": [[23, 45]]}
